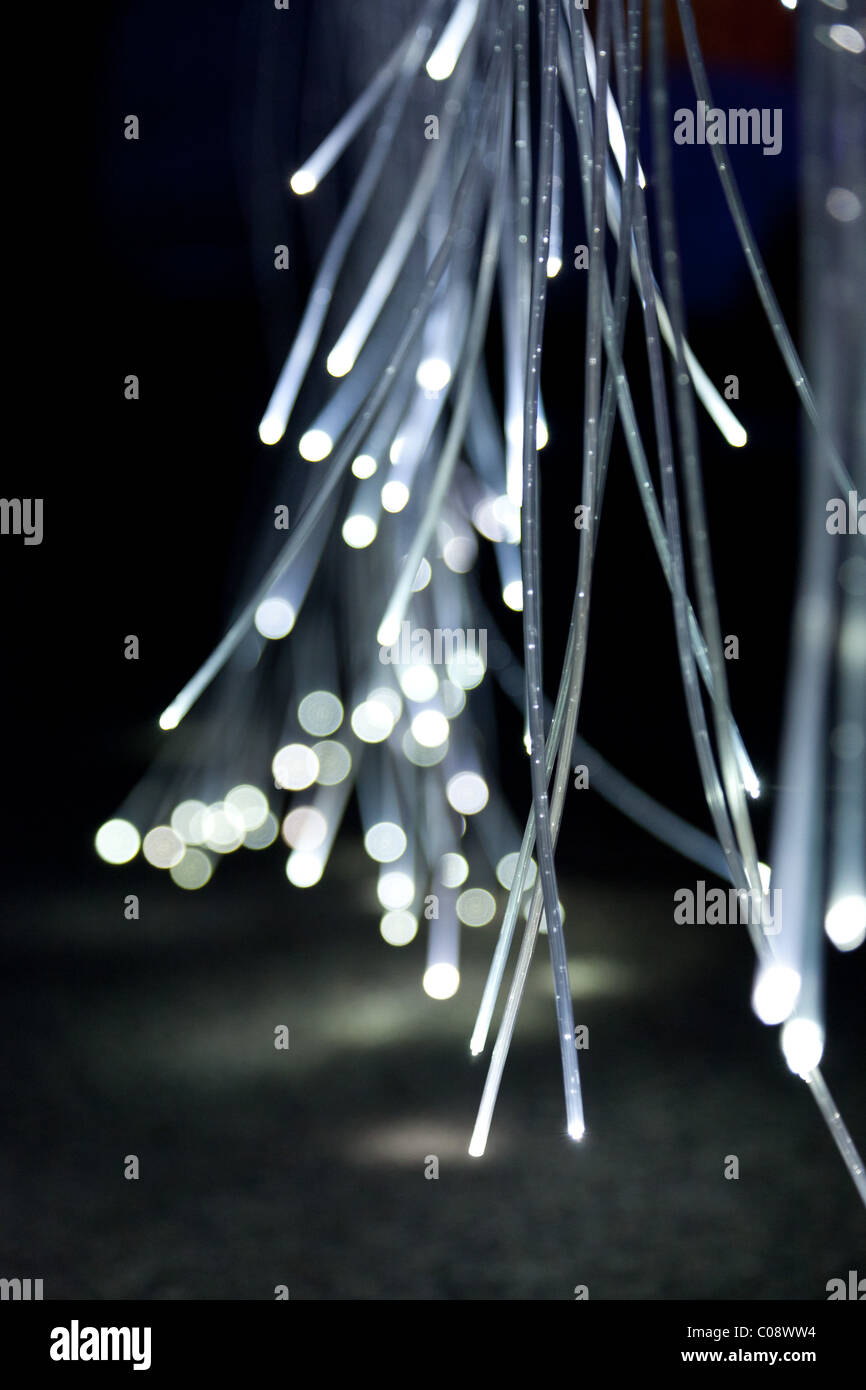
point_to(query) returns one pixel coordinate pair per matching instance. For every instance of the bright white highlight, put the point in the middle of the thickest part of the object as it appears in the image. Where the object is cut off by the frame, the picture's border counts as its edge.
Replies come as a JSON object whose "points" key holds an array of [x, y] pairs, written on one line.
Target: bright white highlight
{"points": [[275, 618], [364, 466], [193, 871], [433, 374], [467, 792], [320, 713], [265, 835], [395, 495], [305, 828], [187, 819], [359, 531], [430, 728], [335, 762], [117, 841], [304, 868], [224, 828], [162, 847], [453, 870], [315, 445], [295, 767], [802, 1044], [302, 181], [441, 981], [775, 993], [512, 596], [418, 683], [170, 718], [476, 907], [272, 429], [847, 37], [443, 59], [385, 841], [340, 361], [845, 923], [250, 804], [398, 928], [554, 266], [372, 721], [395, 889]]}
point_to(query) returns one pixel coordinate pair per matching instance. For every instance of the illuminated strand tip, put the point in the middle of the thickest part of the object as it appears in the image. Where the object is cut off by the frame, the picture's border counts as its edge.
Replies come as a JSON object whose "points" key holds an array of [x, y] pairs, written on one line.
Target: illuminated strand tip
{"points": [[162, 847], [389, 631], [303, 181], [419, 683], [441, 981], [512, 595], [359, 531], [790, 4], [364, 466], [433, 374], [193, 871], [295, 767], [385, 841], [320, 713], [398, 928], [476, 907], [453, 869], [467, 793], [395, 890], [443, 59], [775, 993], [275, 618], [335, 762], [766, 874], [395, 495], [117, 841], [430, 728], [576, 1130], [340, 361], [374, 719], [802, 1044], [304, 868], [315, 445], [554, 266], [250, 804], [845, 923], [271, 429], [170, 718], [305, 828]]}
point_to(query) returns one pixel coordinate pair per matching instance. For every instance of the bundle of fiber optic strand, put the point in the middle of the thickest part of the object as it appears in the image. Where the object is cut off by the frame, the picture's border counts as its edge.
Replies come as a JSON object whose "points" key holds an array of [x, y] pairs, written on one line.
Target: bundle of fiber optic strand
{"points": [[403, 468]]}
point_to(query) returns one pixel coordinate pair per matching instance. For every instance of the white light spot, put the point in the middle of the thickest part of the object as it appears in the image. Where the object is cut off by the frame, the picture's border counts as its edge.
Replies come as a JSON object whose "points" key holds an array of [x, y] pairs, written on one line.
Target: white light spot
{"points": [[775, 993], [476, 907], [162, 847], [295, 767], [275, 618], [302, 181], [320, 713], [430, 728], [395, 495], [315, 445], [845, 923], [467, 792], [250, 804], [441, 981], [265, 835], [433, 374], [359, 531], [395, 889], [193, 871], [364, 466], [422, 578], [304, 868], [512, 595], [335, 762], [802, 1044], [372, 721], [117, 841], [453, 869], [224, 828], [385, 841], [418, 683], [340, 361], [847, 37], [843, 204], [398, 928], [271, 429], [305, 828]]}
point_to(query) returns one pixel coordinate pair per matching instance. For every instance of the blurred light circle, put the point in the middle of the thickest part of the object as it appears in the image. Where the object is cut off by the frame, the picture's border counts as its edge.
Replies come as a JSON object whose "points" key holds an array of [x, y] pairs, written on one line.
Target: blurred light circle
{"points": [[193, 871], [295, 767], [320, 713], [476, 907], [162, 847], [117, 841]]}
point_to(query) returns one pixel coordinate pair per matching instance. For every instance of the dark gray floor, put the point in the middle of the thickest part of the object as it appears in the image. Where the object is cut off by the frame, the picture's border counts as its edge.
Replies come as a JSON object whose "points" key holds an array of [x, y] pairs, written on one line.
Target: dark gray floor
{"points": [[306, 1168]]}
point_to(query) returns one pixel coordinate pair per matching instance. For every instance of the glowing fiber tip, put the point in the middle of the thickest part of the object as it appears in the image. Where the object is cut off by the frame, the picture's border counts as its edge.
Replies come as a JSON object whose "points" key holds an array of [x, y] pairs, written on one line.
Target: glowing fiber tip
{"points": [[303, 182], [170, 717], [775, 993], [271, 429], [802, 1044]]}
